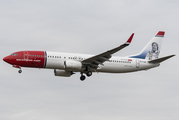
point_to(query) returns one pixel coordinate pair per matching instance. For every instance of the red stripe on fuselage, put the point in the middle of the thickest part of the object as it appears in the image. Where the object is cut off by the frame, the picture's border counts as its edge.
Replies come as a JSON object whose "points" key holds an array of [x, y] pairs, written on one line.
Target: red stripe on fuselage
{"points": [[34, 59]]}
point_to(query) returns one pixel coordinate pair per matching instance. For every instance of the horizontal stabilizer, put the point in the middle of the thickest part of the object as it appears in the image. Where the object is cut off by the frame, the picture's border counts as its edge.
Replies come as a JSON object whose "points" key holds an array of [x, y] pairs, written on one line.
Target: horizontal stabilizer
{"points": [[159, 60]]}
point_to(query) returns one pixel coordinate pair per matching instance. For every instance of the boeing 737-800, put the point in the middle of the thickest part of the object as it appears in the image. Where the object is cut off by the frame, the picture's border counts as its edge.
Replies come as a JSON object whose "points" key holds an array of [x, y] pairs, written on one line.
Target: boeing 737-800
{"points": [[66, 64]]}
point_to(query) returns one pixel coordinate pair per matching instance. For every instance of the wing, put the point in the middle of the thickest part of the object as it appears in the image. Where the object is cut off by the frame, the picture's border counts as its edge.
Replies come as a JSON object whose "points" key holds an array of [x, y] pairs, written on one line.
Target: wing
{"points": [[94, 61]]}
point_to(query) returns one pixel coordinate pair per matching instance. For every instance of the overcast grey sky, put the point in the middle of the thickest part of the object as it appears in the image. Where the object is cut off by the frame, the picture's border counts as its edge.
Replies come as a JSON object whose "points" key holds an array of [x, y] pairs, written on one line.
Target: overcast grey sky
{"points": [[92, 26]]}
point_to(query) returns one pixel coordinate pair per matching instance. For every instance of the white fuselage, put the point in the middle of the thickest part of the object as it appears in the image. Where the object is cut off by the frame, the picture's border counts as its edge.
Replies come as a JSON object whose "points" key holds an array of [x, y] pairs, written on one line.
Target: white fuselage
{"points": [[55, 60]]}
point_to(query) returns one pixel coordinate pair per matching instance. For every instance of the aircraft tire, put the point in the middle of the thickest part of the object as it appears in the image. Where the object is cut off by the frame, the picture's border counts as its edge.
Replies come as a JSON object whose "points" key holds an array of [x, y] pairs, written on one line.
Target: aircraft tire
{"points": [[20, 71], [89, 73], [82, 78]]}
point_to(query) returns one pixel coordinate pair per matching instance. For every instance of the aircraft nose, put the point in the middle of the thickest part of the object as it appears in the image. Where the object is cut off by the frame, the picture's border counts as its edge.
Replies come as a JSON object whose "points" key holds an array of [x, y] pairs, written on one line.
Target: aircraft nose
{"points": [[6, 59]]}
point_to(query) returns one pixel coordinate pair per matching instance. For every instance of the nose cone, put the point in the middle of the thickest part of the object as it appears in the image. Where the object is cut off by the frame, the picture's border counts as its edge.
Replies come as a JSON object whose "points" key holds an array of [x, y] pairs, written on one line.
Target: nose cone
{"points": [[6, 59]]}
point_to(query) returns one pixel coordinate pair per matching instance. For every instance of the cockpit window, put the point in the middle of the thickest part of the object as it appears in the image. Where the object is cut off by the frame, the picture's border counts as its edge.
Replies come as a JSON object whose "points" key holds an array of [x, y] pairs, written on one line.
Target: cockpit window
{"points": [[14, 54]]}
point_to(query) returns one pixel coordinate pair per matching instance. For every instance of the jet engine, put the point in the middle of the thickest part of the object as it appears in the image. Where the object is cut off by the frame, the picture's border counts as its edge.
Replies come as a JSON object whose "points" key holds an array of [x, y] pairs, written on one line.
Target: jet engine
{"points": [[62, 73], [72, 65]]}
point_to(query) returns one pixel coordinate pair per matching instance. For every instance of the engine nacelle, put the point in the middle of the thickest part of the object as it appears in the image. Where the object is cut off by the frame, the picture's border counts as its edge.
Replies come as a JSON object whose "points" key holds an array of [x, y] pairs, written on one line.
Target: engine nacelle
{"points": [[62, 73], [73, 65]]}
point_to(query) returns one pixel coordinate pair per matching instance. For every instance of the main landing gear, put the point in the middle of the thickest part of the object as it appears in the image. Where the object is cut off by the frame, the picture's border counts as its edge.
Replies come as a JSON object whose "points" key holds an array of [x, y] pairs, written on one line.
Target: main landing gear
{"points": [[88, 73], [82, 78]]}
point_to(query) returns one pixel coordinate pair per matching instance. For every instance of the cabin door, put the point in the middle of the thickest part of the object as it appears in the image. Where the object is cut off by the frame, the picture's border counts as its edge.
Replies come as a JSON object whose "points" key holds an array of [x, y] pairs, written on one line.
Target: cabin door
{"points": [[26, 55], [137, 63]]}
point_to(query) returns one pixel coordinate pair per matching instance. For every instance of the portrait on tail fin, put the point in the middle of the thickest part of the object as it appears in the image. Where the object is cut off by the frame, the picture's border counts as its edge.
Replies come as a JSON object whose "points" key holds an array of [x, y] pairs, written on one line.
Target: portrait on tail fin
{"points": [[154, 53]]}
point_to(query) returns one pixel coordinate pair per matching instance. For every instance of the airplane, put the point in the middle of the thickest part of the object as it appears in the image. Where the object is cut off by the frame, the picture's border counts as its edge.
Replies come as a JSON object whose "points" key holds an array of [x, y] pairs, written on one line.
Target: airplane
{"points": [[67, 64]]}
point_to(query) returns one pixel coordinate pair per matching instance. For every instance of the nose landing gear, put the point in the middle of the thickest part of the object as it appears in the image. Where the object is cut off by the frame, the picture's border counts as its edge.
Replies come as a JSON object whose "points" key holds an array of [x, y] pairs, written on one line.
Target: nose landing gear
{"points": [[20, 71], [16, 66]]}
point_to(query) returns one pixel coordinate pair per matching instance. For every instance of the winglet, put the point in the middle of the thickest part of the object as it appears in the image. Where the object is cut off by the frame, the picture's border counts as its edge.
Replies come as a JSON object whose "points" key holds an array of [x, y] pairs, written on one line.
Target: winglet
{"points": [[130, 39]]}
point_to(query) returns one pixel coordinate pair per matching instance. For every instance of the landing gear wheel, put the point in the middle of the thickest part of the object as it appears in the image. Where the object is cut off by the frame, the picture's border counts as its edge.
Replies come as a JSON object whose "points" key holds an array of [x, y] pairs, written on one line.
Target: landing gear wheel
{"points": [[82, 77], [20, 71], [89, 73]]}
